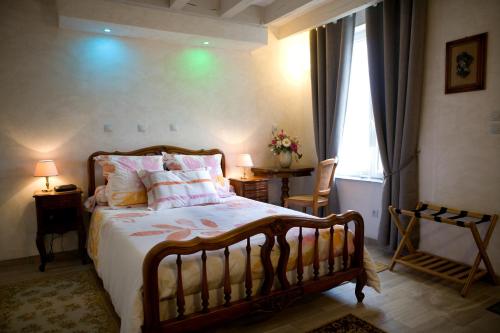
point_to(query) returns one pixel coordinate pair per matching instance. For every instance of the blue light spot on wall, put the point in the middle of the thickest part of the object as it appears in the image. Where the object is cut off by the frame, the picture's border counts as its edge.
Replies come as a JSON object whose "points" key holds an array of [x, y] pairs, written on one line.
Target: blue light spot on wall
{"points": [[103, 60], [102, 51]]}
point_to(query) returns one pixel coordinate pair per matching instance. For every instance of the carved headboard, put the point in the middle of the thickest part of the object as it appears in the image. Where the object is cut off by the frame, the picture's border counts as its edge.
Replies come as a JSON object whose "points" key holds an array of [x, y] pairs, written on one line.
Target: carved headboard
{"points": [[153, 150]]}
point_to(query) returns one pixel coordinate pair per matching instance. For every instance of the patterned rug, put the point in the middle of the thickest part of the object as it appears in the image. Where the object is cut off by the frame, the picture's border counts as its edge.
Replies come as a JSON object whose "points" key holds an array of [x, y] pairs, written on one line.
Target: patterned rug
{"points": [[70, 302], [348, 324]]}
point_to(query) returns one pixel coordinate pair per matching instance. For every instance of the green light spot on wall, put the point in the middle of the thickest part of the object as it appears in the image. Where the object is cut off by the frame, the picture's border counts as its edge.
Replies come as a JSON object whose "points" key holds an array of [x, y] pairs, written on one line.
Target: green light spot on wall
{"points": [[197, 64]]}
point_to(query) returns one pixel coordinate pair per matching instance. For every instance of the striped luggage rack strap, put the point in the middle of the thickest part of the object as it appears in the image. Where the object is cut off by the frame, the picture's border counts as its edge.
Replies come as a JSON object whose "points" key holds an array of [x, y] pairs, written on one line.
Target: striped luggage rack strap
{"points": [[461, 218]]}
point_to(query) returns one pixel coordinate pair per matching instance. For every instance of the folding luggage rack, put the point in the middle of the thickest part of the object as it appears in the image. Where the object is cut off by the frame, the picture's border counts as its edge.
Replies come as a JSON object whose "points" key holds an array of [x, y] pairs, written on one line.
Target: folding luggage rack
{"points": [[439, 266]]}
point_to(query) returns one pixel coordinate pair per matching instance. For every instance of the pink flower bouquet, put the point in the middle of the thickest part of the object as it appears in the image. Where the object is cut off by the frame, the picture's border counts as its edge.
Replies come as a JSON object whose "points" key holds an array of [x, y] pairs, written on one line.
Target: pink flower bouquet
{"points": [[283, 143]]}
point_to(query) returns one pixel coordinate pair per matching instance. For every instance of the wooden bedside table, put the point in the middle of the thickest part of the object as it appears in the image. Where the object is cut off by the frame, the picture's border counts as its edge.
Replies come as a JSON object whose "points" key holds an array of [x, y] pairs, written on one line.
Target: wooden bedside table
{"points": [[57, 213], [251, 188]]}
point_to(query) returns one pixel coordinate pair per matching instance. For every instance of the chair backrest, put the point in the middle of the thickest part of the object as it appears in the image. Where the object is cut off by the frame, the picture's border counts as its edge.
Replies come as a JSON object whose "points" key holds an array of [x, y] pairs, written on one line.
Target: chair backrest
{"points": [[324, 177]]}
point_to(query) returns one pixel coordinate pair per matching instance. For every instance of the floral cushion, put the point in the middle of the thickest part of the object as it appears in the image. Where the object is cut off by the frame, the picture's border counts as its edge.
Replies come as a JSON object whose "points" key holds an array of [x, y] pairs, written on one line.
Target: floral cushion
{"points": [[99, 198], [170, 189], [192, 162]]}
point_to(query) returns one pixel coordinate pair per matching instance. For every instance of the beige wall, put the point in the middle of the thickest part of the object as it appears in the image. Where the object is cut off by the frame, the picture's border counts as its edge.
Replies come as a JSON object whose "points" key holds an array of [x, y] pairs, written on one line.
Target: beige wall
{"points": [[58, 88], [460, 158]]}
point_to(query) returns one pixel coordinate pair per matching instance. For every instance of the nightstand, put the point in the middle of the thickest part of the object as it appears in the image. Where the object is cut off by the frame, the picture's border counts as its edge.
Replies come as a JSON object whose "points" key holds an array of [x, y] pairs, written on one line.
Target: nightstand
{"points": [[58, 213], [251, 188]]}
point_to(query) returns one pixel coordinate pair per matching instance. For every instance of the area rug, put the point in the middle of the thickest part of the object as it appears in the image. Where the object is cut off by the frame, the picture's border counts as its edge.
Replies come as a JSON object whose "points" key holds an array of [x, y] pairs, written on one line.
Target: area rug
{"points": [[380, 267], [70, 302], [348, 324]]}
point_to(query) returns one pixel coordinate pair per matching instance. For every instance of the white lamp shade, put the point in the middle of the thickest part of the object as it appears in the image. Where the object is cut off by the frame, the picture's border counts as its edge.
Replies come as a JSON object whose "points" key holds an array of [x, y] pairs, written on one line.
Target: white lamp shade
{"points": [[244, 160], [45, 168]]}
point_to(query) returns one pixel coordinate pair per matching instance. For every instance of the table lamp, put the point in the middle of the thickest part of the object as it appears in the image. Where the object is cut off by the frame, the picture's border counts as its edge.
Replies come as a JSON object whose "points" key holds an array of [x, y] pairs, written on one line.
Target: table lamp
{"points": [[244, 161], [46, 168]]}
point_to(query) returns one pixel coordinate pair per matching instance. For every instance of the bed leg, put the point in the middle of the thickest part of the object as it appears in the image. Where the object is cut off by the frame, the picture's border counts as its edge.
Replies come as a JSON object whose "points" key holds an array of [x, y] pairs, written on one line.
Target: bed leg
{"points": [[360, 283]]}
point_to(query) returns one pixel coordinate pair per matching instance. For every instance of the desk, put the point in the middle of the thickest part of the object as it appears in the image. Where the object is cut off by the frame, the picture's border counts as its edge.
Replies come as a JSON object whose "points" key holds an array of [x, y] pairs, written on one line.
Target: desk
{"points": [[284, 174]]}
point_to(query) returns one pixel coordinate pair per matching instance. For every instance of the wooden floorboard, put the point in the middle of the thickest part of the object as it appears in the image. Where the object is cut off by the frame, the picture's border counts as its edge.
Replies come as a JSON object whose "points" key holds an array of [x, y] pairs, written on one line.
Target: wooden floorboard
{"points": [[410, 301]]}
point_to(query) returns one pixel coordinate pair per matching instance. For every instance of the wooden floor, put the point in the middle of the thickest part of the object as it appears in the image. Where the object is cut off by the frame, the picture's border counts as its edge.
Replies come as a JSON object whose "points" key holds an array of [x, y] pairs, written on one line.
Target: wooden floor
{"points": [[409, 302]]}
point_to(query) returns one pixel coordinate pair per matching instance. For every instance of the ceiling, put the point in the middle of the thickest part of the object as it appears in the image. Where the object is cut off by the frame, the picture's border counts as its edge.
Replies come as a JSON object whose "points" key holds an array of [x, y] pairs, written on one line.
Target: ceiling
{"points": [[260, 12], [235, 24]]}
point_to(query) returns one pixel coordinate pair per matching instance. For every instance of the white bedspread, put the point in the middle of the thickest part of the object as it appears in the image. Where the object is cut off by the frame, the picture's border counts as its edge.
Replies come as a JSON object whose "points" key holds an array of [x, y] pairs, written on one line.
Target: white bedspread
{"points": [[120, 239]]}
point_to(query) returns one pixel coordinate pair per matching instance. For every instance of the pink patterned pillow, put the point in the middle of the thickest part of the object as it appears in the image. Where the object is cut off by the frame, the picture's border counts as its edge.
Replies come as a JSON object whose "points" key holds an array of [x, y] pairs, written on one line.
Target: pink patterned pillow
{"points": [[124, 187], [114, 163], [193, 162], [170, 189]]}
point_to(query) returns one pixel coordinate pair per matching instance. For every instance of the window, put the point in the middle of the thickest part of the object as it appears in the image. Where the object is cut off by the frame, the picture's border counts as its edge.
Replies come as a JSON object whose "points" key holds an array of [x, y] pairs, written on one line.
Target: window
{"points": [[358, 154]]}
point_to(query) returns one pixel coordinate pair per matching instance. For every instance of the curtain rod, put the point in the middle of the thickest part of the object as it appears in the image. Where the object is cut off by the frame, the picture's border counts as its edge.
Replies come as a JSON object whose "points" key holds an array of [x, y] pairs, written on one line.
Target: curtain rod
{"points": [[351, 12]]}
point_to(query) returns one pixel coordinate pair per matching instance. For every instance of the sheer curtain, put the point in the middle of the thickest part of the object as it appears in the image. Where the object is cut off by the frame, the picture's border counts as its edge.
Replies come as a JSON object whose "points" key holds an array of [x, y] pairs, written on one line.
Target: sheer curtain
{"points": [[359, 154]]}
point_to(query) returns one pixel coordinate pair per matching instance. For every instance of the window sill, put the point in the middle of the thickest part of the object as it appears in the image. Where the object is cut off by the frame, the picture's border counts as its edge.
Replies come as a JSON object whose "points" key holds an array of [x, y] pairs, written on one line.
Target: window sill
{"points": [[363, 179]]}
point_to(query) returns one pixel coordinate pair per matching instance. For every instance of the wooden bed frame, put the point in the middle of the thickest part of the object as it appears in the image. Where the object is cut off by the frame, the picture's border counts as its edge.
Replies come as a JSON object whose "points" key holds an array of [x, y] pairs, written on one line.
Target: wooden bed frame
{"points": [[275, 229]]}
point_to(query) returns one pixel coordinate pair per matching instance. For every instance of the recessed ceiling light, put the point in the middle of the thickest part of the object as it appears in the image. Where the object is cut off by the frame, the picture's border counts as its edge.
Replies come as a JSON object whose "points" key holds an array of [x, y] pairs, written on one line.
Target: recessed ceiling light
{"points": [[206, 43], [107, 30]]}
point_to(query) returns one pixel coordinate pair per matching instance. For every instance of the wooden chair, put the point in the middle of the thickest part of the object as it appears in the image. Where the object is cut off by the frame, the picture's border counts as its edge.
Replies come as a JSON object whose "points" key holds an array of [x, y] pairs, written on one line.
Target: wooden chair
{"points": [[322, 188]]}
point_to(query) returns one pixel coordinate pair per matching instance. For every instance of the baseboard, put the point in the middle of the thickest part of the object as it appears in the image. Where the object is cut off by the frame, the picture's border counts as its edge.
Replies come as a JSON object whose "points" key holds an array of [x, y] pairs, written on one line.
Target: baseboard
{"points": [[71, 254], [371, 241]]}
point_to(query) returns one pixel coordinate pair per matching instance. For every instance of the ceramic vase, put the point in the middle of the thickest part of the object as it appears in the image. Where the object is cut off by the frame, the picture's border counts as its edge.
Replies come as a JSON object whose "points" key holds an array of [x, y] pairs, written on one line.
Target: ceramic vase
{"points": [[285, 159]]}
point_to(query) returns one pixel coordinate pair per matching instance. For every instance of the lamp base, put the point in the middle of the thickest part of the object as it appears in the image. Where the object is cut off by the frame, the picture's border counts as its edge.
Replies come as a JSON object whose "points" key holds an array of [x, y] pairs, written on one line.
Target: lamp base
{"points": [[244, 174], [46, 184]]}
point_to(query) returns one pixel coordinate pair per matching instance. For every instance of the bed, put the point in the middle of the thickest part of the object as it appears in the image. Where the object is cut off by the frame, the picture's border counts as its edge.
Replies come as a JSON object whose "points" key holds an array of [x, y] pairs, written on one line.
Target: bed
{"points": [[186, 269]]}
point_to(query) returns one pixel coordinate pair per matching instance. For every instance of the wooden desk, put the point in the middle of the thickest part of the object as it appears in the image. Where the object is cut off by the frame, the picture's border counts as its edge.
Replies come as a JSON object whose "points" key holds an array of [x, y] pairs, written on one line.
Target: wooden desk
{"points": [[58, 213], [251, 188], [284, 174]]}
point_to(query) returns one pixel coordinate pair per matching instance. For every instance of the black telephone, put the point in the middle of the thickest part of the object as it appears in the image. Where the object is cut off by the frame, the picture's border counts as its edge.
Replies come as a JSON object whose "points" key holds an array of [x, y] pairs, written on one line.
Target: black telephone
{"points": [[65, 188]]}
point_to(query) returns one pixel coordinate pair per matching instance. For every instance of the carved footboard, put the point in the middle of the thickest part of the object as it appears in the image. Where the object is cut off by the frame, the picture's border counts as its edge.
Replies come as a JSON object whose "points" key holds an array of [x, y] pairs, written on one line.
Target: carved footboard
{"points": [[274, 229]]}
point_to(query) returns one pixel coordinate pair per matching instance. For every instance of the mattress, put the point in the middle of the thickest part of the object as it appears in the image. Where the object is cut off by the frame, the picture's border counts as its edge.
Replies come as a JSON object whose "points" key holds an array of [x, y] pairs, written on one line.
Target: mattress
{"points": [[120, 239]]}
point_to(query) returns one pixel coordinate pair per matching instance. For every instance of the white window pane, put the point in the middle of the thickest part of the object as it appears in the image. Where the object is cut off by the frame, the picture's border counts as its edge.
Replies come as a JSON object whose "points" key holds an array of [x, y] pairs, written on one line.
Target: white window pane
{"points": [[359, 154]]}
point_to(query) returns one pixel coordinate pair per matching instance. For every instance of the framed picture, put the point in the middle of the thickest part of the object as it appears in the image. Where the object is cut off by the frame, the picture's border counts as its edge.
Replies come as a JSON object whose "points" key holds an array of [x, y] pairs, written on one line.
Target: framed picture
{"points": [[466, 64]]}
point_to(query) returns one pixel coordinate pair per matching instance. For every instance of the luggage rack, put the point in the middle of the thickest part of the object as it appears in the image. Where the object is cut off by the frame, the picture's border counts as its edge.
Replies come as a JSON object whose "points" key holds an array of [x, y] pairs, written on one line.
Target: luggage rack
{"points": [[436, 265]]}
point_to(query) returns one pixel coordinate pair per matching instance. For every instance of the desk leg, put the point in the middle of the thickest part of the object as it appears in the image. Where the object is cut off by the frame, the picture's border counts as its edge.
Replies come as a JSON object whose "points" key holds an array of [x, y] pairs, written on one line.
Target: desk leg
{"points": [[40, 244], [82, 237], [284, 190]]}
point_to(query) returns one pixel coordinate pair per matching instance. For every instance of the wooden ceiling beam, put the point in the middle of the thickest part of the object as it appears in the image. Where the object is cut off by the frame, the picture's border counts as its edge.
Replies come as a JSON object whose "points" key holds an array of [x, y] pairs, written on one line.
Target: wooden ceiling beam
{"points": [[281, 8], [231, 8]]}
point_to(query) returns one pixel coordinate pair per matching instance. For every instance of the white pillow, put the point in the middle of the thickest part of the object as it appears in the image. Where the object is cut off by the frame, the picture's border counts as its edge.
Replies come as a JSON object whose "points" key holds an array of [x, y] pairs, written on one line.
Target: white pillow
{"points": [[124, 187], [193, 162], [170, 189]]}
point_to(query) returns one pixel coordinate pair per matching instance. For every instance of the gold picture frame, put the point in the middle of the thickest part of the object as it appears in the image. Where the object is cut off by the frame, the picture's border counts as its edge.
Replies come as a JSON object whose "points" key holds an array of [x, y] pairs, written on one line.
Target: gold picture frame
{"points": [[466, 64]]}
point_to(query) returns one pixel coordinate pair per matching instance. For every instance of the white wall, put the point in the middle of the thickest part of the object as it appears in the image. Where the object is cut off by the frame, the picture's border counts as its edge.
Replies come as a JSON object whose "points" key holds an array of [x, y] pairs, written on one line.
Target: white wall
{"points": [[58, 88], [363, 197], [460, 158]]}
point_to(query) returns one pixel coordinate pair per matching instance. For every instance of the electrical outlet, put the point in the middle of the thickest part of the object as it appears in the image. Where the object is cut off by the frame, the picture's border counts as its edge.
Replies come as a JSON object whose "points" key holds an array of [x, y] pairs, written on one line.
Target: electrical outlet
{"points": [[274, 128], [495, 115], [495, 127], [107, 128]]}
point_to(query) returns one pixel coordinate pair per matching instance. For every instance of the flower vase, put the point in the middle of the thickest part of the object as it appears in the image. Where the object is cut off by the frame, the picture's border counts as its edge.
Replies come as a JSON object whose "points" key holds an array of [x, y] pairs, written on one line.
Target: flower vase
{"points": [[285, 159]]}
